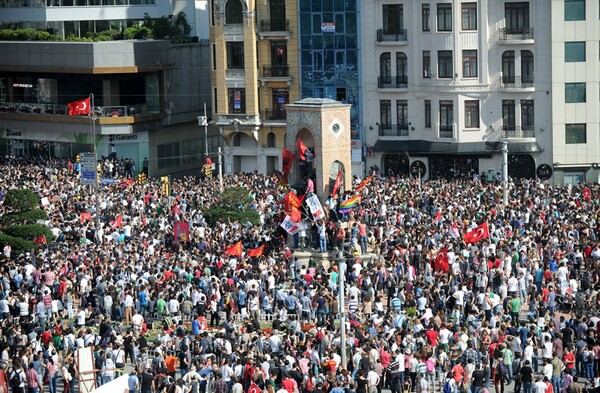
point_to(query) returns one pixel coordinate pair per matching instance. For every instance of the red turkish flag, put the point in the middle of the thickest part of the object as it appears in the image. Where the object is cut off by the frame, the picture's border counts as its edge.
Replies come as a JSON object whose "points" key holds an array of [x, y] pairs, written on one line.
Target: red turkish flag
{"points": [[478, 234], [117, 222], [302, 150], [85, 217], [254, 388], [337, 184], [287, 161], [235, 250], [441, 261], [81, 107], [257, 252]]}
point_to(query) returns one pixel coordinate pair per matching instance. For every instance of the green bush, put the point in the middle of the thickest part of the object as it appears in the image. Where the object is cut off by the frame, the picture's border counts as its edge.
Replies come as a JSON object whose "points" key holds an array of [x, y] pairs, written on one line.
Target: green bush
{"points": [[29, 232], [26, 35], [21, 199], [19, 246], [222, 213], [26, 217]]}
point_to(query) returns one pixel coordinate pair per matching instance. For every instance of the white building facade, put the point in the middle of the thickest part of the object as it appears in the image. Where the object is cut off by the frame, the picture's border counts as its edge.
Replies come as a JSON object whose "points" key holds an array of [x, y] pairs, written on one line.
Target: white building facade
{"points": [[575, 90], [446, 82]]}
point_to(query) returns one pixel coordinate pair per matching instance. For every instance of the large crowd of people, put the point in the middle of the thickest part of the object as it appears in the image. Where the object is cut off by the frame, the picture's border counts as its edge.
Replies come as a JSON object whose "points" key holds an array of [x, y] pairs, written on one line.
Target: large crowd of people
{"points": [[516, 309]]}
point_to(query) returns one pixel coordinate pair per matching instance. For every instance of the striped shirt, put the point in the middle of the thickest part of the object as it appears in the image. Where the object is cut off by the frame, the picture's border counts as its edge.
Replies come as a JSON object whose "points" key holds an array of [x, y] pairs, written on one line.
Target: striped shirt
{"points": [[32, 378]]}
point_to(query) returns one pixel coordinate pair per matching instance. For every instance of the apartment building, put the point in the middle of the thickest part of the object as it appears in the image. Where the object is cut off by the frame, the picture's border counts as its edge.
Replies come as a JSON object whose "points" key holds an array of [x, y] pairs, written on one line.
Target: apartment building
{"points": [[575, 116], [254, 75], [447, 82]]}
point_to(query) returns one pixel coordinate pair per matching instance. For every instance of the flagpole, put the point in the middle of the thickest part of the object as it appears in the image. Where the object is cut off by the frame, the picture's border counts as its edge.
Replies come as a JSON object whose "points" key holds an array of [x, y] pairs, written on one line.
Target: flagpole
{"points": [[97, 185]]}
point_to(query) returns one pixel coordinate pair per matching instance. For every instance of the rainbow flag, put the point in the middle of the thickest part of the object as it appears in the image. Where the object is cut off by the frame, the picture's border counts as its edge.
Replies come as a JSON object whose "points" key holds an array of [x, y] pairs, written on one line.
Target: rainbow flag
{"points": [[348, 204]]}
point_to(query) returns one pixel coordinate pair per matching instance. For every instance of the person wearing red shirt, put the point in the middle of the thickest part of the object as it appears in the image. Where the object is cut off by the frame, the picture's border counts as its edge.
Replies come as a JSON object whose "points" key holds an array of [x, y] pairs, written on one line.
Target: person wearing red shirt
{"points": [[432, 337], [289, 384], [569, 360]]}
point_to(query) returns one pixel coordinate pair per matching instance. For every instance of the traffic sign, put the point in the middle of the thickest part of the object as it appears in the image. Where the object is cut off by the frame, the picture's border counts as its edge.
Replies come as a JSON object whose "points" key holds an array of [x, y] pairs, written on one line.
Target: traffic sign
{"points": [[88, 168]]}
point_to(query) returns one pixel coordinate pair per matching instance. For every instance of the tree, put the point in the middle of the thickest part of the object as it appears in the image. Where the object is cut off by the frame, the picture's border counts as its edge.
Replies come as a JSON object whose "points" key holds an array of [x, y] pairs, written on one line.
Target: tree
{"points": [[21, 199], [234, 204]]}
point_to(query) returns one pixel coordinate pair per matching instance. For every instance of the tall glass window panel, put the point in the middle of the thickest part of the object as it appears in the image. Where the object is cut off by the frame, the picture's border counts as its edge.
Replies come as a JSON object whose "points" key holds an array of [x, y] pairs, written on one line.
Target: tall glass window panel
{"points": [[508, 114], [402, 113], [444, 17], [472, 114], [574, 93], [574, 10], [425, 17], [393, 22], [575, 51], [469, 64], [469, 16], [385, 112], [527, 115], [445, 67], [426, 64], [427, 113]]}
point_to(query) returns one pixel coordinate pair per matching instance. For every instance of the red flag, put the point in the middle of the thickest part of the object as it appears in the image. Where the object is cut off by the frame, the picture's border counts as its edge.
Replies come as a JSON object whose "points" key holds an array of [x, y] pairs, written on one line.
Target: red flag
{"points": [[85, 216], [257, 252], [302, 150], [235, 250], [287, 161], [364, 183], [477, 234], [281, 178], [441, 261], [587, 194], [291, 205], [337, 184], [81, 107], [117, 223], [40, 240], [254, 388]]}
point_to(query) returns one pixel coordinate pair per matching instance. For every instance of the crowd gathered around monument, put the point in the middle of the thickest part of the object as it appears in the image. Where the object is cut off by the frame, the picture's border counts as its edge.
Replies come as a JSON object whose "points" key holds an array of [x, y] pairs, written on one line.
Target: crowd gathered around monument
{"points": [[446, 288]]}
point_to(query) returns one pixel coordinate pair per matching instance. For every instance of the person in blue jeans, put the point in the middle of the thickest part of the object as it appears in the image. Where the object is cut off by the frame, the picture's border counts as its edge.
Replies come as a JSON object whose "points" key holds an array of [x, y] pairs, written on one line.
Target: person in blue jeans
{"points": [[322, 236]]}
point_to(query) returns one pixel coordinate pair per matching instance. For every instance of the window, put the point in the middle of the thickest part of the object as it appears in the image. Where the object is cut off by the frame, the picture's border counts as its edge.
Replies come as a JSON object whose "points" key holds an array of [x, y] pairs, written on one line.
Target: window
{"points": [[574, 9], [402, 66], [469, 16], [574, 51], [167, 155], [517, 17], [385, 67], [385, 113], [235, 55], [574, 92], [575, 133], [216, 101], [393, 20], [192, 150], [469, 64], [425, 15], [237, 100], [214, 56], [508, 115], [446, 118], [427, 113], [444, 17], [508, 67], [445, 69], [233, 12], [426, 64], [527, 68], [527, 115], [402, 114], [472, 114]]}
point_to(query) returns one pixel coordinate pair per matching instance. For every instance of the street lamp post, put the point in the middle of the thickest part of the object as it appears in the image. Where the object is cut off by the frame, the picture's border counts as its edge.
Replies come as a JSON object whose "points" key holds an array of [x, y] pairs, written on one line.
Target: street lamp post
{"points": [[342, 303]]}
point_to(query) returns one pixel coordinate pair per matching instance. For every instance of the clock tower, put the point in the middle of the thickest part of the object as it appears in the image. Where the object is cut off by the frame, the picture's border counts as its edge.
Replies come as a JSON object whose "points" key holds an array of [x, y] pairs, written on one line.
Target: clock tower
{"points": [[322, 126]]}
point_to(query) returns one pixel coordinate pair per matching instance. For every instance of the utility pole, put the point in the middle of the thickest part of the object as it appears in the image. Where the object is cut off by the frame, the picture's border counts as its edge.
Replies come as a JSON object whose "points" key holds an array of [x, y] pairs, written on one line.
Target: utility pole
{"points": [[342, 276], [505, 172]]}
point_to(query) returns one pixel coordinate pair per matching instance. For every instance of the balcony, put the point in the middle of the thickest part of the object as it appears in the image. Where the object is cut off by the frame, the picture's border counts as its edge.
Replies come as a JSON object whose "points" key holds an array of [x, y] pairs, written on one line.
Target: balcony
{"points": [[274, 29], [519, 34], [273, 116], [393, 130], [392, 82], [516, 82], [399, 37], [276, 71], [446, 131], [519, 132], [61, 110]]}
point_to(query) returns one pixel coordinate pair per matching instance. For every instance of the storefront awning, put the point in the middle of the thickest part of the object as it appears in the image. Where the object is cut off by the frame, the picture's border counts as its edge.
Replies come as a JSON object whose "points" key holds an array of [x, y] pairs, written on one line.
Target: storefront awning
{"points": [[426, 148]]}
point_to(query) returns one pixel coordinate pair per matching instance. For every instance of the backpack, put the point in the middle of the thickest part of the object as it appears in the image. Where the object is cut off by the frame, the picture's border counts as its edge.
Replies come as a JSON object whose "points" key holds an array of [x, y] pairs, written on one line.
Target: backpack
{"points": [[502, 369], [430, 366], [310, 384], [15, 379], [447, 387]]}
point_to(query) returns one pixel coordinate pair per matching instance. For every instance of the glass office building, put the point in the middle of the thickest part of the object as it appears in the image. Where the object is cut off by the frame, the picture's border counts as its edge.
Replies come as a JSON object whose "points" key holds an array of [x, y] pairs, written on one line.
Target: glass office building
{"points": [[329, 40]]}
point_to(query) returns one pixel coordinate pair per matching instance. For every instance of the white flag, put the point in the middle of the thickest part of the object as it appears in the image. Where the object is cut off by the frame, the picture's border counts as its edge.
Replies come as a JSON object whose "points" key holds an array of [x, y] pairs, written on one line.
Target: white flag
{"points": [[290, 226], [315, 207]]}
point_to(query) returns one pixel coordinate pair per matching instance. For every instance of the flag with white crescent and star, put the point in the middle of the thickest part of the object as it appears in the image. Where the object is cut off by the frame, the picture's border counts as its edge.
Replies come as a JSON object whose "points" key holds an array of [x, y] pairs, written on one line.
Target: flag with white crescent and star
{"points": [[81, 107], [477, 234]]}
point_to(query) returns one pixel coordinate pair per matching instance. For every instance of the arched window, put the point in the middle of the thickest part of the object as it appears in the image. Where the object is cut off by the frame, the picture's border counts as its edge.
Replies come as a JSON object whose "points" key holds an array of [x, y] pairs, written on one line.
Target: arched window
{"points": [[385, 67], [237, 139], [508, 67], [270, 139], [527, 67], [233, 12]]}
